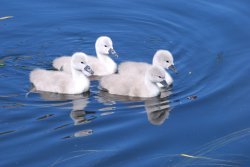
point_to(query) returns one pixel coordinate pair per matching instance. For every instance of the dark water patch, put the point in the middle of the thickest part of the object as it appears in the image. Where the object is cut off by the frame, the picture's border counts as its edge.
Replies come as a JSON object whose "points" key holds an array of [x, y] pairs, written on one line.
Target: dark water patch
{"points": [[45, 117], [7, 132], [62, 126], [11, 105]]}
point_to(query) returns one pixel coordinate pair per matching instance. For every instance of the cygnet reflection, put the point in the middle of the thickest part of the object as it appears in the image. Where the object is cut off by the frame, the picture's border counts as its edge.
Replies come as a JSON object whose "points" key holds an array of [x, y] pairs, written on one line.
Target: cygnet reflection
{"points": [[50, 96], [107, 98], [79, 102], [157, 108], [77, 114]]}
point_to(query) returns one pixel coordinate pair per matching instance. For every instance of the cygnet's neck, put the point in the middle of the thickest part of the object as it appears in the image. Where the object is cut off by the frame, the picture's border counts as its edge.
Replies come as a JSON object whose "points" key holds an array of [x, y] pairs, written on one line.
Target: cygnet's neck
{"points": [[102, 57], [80, 81], [107, 62], [78, 76]]}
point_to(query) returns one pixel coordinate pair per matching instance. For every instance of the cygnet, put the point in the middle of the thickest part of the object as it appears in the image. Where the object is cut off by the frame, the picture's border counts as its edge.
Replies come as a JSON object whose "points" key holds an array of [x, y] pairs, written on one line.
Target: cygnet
{"points": [[134, 85], [101, 65], [162, 58], [62, 82]]}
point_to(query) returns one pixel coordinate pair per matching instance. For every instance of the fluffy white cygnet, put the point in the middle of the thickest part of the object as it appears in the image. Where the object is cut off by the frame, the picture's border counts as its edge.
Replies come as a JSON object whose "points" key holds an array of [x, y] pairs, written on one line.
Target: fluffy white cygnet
{"points": [[101, 65], [162, 58], [62, 82], [134, 85]]}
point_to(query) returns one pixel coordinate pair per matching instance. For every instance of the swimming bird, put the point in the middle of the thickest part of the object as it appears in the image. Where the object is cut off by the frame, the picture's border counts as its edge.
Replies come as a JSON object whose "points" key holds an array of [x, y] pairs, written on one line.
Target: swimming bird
{"points": [[62, 82], [134, 85], [162, 58], [101, 65]]}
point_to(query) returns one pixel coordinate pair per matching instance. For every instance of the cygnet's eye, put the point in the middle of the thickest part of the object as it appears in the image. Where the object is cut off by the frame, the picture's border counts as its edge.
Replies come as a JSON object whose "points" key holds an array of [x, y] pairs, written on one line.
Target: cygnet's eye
{"points": [[167, 61], [105, 46], [82, 62], [159, 76]]}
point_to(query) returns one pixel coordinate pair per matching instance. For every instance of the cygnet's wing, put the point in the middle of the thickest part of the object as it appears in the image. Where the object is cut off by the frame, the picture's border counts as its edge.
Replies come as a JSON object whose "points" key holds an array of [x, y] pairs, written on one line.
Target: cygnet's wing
{"points": [[133, 68], [50, 81], [63, 64]]}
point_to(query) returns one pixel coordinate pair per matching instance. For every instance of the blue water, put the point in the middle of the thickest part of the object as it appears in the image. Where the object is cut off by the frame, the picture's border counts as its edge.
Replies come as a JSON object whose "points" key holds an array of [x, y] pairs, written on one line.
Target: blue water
{"points": [[203, 120]]}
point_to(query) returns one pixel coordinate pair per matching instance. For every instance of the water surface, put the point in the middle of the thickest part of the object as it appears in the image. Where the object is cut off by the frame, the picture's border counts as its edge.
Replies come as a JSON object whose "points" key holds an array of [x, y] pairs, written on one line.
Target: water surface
{"points": [[203, 120]]}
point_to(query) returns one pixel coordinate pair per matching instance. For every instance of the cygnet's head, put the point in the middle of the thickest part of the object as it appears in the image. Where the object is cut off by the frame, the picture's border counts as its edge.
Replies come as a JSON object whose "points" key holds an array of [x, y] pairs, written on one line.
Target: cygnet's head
{"points": [[79, 63], [104, 46], [156, 74], [164, 59]]}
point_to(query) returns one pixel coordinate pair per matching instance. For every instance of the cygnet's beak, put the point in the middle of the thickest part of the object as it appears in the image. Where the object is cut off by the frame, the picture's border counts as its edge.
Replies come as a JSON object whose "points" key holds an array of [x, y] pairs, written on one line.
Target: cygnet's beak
{"points": [[172, 67], [112, 52], [89, 70], [164, 83]]}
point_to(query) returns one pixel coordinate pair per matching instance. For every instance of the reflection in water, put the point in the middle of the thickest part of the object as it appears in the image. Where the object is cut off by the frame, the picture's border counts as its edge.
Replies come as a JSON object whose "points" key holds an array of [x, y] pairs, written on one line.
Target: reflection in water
{"points": [[77, 114], [82, 133], [157, 108], [61, 97]]}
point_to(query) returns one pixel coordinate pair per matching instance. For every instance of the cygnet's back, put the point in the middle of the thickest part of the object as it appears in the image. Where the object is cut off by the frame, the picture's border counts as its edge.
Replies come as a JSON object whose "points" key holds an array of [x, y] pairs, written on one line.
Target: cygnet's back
{"points": [[44, 80], [134, 85], [62, 63], [162, 58], [130, 67]]}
